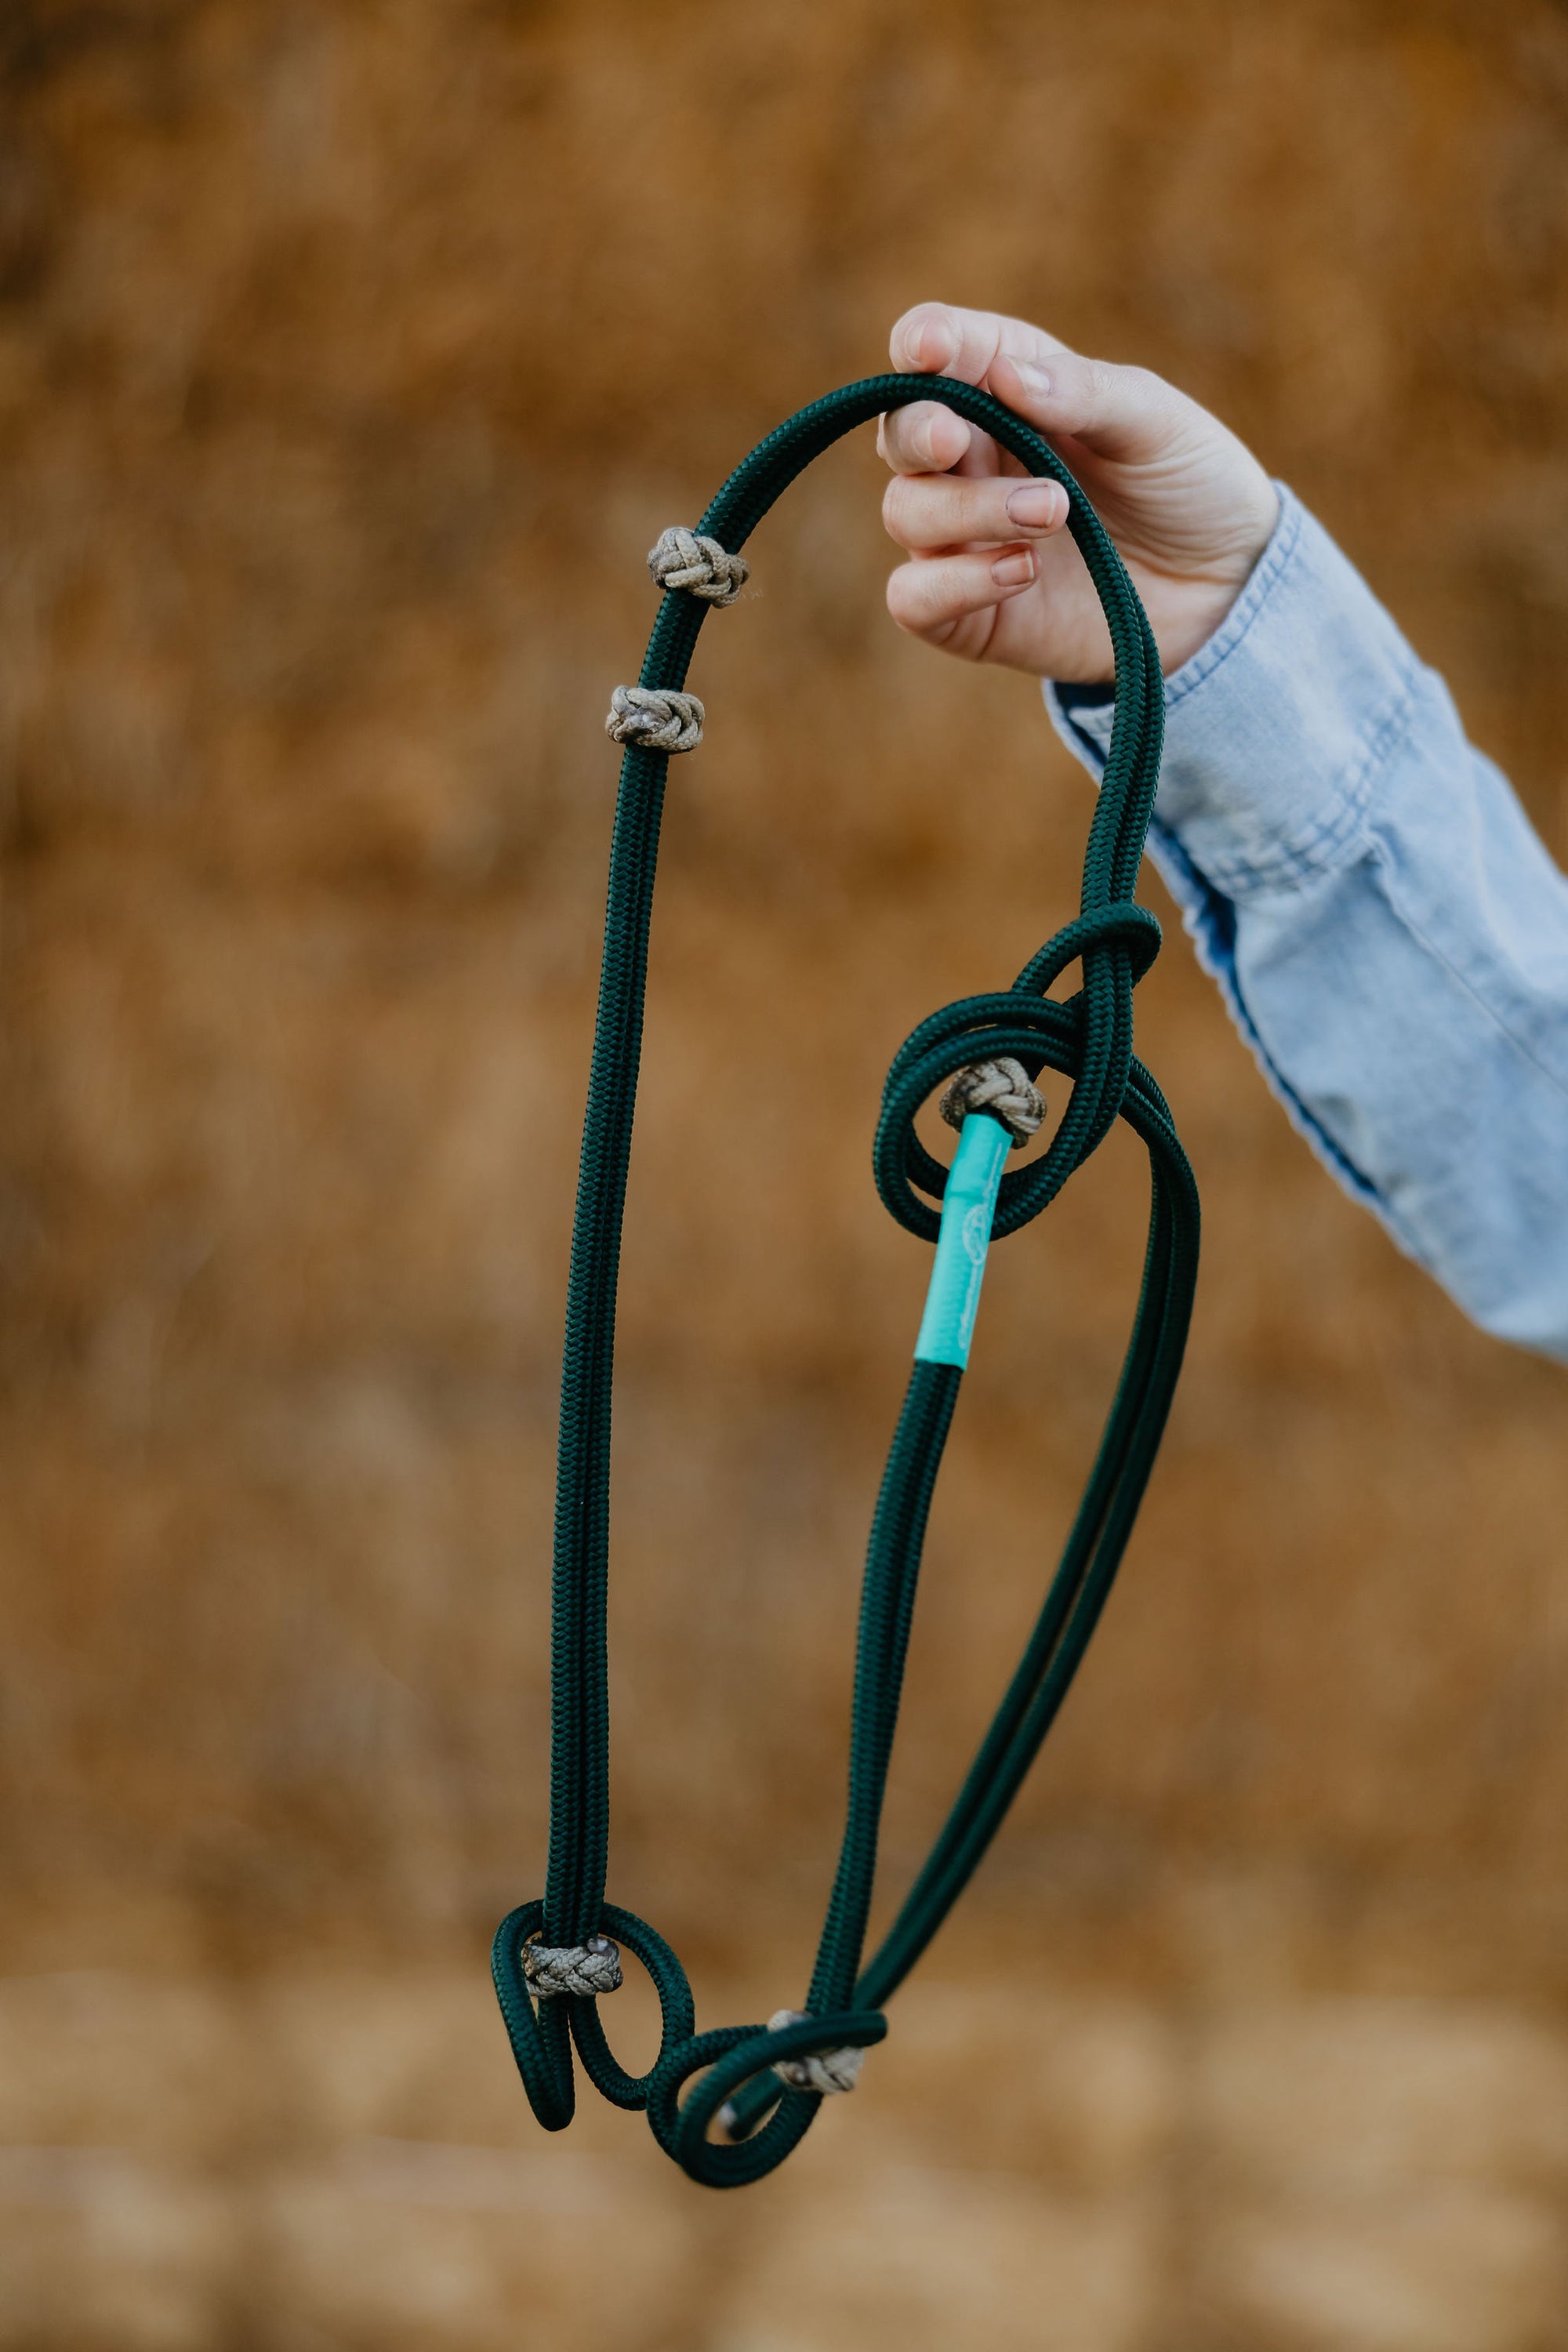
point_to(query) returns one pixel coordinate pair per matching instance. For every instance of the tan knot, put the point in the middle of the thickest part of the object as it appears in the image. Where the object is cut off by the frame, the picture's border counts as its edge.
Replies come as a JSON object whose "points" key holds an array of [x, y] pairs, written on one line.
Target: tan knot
{"points": [[656, 716], [827, 2071], [1003, 1088], [583, 1968], [700, 566]]}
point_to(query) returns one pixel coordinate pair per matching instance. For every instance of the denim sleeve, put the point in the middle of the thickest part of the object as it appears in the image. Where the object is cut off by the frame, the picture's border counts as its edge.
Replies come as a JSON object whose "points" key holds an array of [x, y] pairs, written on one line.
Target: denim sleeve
{"points": [[1389, 934]]}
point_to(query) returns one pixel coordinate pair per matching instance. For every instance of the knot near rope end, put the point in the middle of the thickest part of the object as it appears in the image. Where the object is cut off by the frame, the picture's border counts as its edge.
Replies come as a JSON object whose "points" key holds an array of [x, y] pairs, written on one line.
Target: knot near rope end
{"points": [[1005, 1088], [827, 2071], [586, 1969], [658, 717], [680, 559]]}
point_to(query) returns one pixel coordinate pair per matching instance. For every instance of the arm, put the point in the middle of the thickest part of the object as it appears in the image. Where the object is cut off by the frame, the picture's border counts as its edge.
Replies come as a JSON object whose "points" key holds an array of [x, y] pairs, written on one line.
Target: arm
{"points": [[1388, 932]]}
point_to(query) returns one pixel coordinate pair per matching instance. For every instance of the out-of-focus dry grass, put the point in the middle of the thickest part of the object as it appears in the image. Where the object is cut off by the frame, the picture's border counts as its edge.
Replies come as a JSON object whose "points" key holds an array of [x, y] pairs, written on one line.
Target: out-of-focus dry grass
{"points": [[350, 357]]}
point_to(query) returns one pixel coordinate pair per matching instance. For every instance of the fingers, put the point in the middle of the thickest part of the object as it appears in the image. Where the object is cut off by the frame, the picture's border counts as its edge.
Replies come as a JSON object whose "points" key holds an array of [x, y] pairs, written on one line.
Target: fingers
{"points": [[937, 598], [1123, 413], [928, 512], [924, 438], [941, 339]]}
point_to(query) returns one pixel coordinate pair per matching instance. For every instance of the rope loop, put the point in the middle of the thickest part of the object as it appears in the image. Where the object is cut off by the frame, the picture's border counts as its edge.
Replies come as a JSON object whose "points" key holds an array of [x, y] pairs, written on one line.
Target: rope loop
{"points": [[541, 2024], [1124, 924], [732, 2056], [1087, 1036], [656, 717], [763, 2087], [689, 561]]}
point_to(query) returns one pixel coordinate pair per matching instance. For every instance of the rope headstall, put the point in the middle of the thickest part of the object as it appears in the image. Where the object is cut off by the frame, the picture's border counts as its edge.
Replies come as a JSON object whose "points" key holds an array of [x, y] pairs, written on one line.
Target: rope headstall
{"points": [[761, 2086]]}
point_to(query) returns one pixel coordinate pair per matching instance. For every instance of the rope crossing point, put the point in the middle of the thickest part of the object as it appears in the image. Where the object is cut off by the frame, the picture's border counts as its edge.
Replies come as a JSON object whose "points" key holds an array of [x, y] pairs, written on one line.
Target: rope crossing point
{"points": [[826, 2071], [761, 2086]]}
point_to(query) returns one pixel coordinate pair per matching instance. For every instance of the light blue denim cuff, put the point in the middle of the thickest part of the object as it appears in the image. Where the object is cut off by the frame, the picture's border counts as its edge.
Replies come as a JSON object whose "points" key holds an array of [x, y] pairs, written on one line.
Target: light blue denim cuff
{"points": [[1277, 729]]}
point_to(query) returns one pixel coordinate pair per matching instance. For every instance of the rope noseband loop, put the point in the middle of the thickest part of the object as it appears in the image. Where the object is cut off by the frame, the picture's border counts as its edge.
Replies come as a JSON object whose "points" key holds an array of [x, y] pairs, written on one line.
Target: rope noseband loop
{"points": [[763, 2087]]}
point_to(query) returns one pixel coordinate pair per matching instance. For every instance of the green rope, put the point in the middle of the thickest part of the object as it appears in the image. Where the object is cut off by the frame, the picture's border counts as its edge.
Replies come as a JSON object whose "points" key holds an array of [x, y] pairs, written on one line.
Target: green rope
{"points": [[1088, 1038]]}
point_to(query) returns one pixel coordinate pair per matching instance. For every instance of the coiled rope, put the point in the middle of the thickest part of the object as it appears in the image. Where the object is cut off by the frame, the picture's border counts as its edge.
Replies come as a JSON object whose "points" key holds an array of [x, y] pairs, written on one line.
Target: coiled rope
{"points": [[763, 2083]]}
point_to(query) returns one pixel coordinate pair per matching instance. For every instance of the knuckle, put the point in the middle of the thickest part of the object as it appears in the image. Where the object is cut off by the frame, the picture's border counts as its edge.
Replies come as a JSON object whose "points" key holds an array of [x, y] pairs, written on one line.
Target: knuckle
{"points": [[939, 435], [907, 326], [931, 598], [895, 506], [1149, 389], [1098, 382], [919, 312], [898, 440], [901, 596], [900, 591], [927, 601]]}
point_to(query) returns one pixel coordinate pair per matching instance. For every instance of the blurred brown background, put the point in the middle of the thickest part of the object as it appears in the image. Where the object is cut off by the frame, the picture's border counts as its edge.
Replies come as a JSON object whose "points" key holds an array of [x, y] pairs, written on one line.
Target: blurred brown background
{"points": [[351, 355]]}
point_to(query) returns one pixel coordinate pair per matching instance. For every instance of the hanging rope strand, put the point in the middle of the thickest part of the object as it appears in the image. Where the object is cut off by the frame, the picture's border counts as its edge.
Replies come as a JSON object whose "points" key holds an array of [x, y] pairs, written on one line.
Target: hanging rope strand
{"points": [[553, 1959]]}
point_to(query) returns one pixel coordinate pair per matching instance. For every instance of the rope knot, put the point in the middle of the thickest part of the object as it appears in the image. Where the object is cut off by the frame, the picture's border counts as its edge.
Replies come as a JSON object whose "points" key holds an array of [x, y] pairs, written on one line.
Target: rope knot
{"points": [[827, 2071], [699, 565], [1005, 1088], [585, 1970], [658, 717]]}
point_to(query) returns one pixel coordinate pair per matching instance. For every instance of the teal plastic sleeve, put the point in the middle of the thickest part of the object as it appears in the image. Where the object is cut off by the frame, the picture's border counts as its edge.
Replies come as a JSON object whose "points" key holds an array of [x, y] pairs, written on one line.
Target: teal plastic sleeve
{"points": [[968, 1205]]}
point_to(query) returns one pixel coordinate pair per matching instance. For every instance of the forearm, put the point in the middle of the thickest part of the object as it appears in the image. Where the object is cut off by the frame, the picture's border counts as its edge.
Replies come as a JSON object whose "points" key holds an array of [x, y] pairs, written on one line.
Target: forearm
{"points": [[1389, 934]]}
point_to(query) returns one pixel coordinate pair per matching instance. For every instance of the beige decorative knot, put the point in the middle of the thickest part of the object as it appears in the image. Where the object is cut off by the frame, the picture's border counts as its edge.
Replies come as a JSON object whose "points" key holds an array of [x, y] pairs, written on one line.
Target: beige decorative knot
{"points": [[584, 1968], [656, 716], [1003, 1088], [700, 566], [826, 2071]]}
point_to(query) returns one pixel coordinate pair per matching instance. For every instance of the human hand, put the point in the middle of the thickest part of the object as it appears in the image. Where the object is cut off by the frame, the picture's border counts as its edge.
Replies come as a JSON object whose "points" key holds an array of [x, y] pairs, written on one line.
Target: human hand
{"points": [[993, 575]]}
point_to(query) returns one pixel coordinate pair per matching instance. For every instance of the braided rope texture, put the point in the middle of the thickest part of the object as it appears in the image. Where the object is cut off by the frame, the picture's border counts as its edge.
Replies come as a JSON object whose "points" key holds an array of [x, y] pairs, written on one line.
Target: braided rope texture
{"points": [[762, 2085], [586, 1969]]}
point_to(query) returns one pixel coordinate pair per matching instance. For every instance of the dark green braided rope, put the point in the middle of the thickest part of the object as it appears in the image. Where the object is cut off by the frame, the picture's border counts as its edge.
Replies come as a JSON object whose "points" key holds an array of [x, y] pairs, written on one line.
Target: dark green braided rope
{"points": [[1087, 1037]]}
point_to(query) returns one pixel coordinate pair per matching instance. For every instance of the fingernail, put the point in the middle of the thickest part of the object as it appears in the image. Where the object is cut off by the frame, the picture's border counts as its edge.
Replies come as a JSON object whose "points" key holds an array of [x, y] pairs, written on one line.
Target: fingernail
{"points": [[937, 345], [1014, 571], [1032, 379], [1035, 507]]}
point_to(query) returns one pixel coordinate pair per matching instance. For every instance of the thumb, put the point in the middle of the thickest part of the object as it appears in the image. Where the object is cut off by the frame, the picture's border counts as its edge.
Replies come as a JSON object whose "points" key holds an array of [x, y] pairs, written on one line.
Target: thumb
{"points": [[1126, 413]]}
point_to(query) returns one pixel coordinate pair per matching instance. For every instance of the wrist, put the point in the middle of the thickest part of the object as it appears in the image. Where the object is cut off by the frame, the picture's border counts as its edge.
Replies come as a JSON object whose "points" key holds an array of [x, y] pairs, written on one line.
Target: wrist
{"points": [[1279, 728], [1209, 594]]}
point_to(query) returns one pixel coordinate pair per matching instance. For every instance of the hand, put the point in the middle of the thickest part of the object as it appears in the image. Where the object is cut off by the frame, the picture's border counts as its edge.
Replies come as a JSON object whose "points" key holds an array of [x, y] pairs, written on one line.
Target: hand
{"points": [[993, 575]]}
